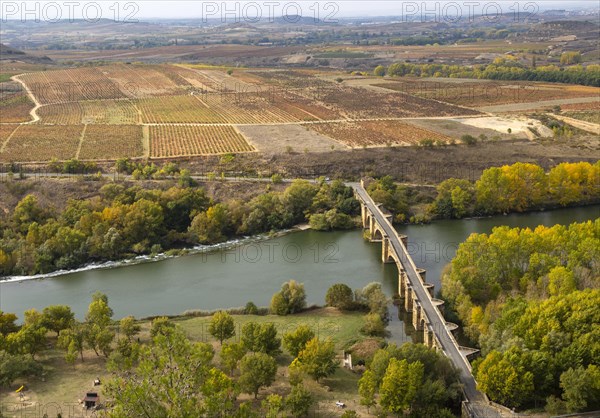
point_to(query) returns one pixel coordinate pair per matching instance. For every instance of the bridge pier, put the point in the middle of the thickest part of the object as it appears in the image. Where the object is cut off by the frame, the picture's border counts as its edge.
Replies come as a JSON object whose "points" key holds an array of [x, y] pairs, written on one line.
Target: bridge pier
{"points": [[386, 254], [364, 215], [428, 336], [402, 282], [408, 299], [417, 315]]}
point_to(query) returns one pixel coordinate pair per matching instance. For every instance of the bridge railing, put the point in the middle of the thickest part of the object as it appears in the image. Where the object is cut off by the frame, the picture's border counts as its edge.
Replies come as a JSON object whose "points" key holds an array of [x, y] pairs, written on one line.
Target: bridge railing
{"points": [[414, 267]]}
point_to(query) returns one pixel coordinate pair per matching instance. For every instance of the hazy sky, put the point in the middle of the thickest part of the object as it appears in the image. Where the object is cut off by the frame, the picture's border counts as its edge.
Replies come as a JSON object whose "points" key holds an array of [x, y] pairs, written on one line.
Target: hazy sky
{"points": [[262, 9]]}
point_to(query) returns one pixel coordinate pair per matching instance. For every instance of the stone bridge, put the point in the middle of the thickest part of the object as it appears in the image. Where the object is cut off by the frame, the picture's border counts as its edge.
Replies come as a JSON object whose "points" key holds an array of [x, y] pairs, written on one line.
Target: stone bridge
{"points": [[426, 310]]}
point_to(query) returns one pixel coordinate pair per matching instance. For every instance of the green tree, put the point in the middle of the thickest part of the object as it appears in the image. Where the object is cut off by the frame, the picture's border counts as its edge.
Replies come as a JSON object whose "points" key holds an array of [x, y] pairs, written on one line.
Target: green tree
{"points": [[7, 323], [299, 401], [167, 381], [231, 354], [272, 406], [581, 388], [129, 328], [400, 385], [161, 325], [221, 326], [14, 366], [72, 340], [373, 326], [261, 338], [257, 370], [340, 296], [57, 317], [295, 341], [379, 71], [504, 382], [367, 387], [290, 299], [99, 313], [219, 394], [318, 358]]}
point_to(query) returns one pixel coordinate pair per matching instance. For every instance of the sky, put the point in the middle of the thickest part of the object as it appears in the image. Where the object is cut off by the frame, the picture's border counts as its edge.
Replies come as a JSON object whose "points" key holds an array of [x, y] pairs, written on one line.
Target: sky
{"points": [[264, 9]]}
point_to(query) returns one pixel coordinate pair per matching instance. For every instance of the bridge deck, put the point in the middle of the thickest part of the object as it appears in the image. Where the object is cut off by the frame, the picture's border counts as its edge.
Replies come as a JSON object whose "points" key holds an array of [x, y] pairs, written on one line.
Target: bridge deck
{"points": [[449, 345]]}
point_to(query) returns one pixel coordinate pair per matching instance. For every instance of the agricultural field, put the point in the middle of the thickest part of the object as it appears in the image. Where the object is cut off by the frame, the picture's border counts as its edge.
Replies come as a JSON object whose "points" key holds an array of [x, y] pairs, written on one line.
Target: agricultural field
{"points": [[42, 143], [177, 109], [15, 108], [108, 112], [110, 142], [477, 93], [377, 133], [5, 131], [593, 117], [188, 140]]}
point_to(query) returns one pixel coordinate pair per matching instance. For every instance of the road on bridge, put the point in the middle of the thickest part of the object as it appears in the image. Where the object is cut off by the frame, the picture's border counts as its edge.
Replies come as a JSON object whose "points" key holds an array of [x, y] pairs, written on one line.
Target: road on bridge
{"points": [[438, 323]]}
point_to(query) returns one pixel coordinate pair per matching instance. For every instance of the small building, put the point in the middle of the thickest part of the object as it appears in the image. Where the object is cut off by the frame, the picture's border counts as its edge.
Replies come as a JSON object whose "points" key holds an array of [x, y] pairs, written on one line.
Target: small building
{"points": [[91, 400]]}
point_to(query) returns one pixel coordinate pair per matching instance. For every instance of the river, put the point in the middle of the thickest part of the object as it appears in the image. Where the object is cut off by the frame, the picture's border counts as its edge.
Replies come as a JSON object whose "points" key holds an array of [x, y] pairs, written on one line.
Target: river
{"points": [[255, 270]]}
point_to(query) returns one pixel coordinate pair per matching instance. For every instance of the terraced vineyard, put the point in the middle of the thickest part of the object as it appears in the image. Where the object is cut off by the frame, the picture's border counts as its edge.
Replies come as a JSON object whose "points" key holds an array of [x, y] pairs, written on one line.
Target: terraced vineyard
{"points": [[180, 141], [42, 143], [102, 112], [377, 133], [110, 142]]}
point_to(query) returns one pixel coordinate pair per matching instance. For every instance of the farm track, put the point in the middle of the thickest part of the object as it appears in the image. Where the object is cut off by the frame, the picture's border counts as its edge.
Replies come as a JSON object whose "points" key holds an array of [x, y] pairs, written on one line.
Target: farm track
{"points": [[591, 127], [35, 101], [517, 107]]}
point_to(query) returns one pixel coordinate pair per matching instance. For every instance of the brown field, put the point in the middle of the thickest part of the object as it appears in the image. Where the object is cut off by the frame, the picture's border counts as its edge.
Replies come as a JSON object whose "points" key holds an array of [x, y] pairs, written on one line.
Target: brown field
{"points": [[42, 143], [5, 131], [487, 92], [582, 106], [377, 133], [72, 85], [110, 142], [107, 112], [15, 108], [178, 141]]}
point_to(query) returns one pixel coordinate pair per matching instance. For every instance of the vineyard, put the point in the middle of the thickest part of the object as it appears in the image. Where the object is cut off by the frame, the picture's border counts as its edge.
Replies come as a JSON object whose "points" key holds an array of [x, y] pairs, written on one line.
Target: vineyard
{"points": [[108, 112], [377, 133], [15, 108], [489, 93], [5, 131], [110, 142], [179, 141], [42, 143]]}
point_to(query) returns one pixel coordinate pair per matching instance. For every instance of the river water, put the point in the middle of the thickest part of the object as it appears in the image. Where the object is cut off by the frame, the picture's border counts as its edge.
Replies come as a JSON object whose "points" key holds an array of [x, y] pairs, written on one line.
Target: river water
{"points": [[255, 270]]}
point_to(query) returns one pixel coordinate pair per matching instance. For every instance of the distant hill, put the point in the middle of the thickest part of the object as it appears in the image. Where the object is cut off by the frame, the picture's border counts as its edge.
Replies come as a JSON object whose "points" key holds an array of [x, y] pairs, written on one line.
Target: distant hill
{"points": [[12, 54]]}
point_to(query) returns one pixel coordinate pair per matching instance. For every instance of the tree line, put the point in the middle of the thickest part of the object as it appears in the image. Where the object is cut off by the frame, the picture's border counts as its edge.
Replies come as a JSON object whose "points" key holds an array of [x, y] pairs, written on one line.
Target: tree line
{"points": [[529, 299], [518, 188], [501, 69], [128, 221]]}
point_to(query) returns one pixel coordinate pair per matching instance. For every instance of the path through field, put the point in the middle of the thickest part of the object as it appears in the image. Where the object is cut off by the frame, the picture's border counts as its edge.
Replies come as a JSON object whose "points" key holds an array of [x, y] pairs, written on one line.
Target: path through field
{"points": [[35, 101], [581, 124], [514, 107]]}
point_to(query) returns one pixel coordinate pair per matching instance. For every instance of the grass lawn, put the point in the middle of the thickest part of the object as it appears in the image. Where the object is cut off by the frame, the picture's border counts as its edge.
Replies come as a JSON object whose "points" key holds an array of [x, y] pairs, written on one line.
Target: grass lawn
{"points": [[65, 384]]}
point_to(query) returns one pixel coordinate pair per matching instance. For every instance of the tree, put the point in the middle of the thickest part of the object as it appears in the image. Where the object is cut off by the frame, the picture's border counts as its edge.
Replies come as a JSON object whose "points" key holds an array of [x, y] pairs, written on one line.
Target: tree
{"points": [[30, 339], [219, 394], [13, 366], [261, 338], [98, 338], [504, 382], [57, 317], [581, 388], [161, 325], [340, 296], [221, 326], [128, 327], [379, 71], [295, 341], [72, 340], [7, 323], [374, 325], [166, 383], [400, 385], [257, 370], [99, 313], [272, 406], [318, 358], [231, 354], [291, 299], [299, 401], [367, 387]]}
